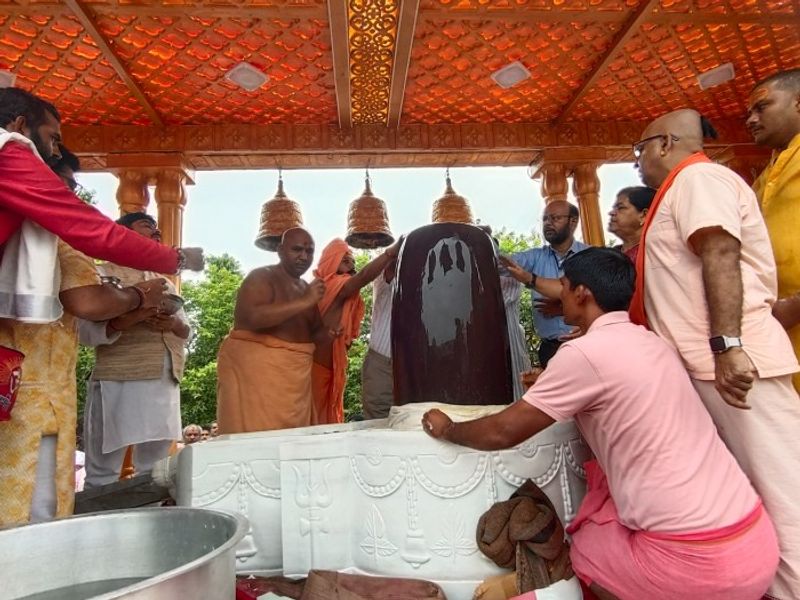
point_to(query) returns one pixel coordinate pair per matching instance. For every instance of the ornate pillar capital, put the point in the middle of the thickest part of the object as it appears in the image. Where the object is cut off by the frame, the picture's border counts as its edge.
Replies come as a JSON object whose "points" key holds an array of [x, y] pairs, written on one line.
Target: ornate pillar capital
{"points": [[554, 181], [132, 193]]}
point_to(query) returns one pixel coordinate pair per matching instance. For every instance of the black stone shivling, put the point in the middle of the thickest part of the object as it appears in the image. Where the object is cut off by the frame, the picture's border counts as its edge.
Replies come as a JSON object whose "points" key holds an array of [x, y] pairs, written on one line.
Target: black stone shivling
{"points": [[449, 335]]}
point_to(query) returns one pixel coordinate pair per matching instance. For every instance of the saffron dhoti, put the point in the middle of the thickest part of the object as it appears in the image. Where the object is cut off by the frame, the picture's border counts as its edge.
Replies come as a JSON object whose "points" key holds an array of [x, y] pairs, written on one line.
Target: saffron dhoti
{"points": [[263, 383]]}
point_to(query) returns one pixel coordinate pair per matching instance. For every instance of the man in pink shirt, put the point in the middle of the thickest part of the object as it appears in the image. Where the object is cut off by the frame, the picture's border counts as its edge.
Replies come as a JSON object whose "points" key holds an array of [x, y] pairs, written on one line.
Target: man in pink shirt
{"points": [[707, 282], [669, 514]]}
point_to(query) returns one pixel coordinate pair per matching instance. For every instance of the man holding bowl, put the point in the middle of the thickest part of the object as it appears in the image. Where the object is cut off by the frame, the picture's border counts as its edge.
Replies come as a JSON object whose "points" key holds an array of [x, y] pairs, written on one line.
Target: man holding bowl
{"points": [[133, 395]]}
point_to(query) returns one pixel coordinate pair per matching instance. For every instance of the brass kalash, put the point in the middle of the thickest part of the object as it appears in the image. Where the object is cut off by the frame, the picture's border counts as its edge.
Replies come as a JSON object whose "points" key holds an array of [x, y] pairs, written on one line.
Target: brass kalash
{"points": [[277, 216]]}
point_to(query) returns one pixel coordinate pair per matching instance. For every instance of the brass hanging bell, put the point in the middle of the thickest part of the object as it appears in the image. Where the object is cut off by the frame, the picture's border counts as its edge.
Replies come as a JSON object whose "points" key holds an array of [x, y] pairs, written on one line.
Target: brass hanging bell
{"points": [[367, 221], [277, 215], [451, 207]]}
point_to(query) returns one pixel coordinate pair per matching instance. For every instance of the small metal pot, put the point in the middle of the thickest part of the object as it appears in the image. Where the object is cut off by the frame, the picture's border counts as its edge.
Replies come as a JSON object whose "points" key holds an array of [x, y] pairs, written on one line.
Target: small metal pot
{"points": [[143, 554], [170, 304]]}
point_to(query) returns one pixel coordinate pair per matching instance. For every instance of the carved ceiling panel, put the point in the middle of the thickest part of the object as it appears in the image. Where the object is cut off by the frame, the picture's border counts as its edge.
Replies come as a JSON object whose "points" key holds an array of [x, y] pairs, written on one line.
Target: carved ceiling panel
{"points": [[52, 56], [181, 64], [657, 71], [452, 61]]}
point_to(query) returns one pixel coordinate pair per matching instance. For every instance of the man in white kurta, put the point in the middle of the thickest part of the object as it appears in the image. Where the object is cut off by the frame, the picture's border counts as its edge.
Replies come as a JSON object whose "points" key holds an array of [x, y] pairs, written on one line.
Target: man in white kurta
{"points": [[133, 395]]}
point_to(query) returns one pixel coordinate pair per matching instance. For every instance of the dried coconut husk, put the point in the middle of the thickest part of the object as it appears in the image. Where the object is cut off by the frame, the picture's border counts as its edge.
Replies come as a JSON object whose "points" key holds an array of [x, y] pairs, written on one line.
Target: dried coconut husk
{"points": [[452, 208], [277, 216], [367, 222]]}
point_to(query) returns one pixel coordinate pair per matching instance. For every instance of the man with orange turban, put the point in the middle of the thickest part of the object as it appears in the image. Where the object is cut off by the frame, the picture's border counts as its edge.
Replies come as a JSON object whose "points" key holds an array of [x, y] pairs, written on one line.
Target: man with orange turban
{"points": [[342, 310]]}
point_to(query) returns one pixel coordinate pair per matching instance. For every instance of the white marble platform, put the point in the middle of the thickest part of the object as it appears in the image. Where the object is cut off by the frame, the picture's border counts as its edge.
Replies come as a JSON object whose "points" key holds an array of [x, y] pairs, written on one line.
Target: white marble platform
{"points": [[362, 498]]}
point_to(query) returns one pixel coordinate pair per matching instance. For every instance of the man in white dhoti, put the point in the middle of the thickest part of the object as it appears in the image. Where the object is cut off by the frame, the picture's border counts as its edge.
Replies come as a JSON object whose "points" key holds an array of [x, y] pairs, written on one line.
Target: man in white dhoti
{"points": [[133, 395]]}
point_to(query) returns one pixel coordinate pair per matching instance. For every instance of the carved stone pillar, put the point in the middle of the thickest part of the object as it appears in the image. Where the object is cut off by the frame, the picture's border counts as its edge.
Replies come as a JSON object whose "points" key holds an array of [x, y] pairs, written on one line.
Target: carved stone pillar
{"points": [[554, 182], [132, 194], [586, 187]]}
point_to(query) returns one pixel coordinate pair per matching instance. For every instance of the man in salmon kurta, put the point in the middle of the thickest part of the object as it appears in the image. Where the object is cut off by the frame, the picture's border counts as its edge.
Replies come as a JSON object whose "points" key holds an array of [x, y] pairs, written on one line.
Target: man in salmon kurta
{"points": [[342, 310], [264, 365], [774, 121]]}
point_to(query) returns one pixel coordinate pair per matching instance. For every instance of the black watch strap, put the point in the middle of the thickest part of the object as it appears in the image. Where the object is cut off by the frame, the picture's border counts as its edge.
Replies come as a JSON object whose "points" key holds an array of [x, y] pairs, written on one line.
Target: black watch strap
{"points": [[532, 283]]}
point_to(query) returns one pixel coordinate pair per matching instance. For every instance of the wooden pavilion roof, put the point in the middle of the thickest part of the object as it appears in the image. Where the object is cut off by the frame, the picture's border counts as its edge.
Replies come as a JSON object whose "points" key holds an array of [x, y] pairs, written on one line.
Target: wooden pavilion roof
{"points": [[390, 82]]}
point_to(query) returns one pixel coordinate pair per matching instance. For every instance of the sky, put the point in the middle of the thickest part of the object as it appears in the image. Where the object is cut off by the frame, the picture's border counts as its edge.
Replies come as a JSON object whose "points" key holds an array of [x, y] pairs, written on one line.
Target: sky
{"points": [[223, 208]]}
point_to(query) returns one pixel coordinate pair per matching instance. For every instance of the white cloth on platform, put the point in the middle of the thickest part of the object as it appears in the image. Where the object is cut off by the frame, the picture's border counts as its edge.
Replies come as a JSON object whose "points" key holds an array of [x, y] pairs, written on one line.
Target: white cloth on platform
{"points": [[30, 274], [380, 331], [520, 359]]}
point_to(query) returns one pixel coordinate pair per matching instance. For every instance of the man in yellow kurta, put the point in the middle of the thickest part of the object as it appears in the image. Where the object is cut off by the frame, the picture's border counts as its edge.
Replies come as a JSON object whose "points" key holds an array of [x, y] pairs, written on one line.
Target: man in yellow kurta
{"points": [[46, 401], [37, 473], [774, 121]]}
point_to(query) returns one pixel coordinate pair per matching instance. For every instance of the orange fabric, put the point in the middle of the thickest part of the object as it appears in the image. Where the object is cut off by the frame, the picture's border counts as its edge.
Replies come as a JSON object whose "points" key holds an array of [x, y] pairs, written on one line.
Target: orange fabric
{"points": [[322, 386], [329, 405], [637, 312], [263, 383]]}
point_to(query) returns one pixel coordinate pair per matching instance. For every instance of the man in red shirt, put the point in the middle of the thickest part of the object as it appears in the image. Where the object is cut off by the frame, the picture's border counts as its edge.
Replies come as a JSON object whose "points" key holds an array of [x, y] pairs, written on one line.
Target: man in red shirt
{"points": [[30, 190]]}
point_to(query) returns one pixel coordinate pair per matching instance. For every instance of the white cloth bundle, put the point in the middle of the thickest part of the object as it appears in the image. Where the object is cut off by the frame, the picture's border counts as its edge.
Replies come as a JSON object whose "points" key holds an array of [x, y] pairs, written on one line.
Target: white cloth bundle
{"points": [[30, 275]]}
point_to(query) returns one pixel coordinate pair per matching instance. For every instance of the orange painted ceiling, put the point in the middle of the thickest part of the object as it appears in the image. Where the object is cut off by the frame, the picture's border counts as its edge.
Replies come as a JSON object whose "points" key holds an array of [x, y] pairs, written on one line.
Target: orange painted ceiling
{"points": [[177, 52]]}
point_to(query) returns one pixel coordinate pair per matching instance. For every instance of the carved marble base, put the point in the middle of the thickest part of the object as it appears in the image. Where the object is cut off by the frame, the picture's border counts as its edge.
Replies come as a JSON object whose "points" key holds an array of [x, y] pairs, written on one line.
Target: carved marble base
{"points": [[363, 498]]}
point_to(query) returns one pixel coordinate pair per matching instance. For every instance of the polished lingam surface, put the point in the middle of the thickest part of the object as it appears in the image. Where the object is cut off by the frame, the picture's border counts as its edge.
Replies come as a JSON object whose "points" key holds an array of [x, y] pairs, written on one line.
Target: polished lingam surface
{"points": [[449, 336]]}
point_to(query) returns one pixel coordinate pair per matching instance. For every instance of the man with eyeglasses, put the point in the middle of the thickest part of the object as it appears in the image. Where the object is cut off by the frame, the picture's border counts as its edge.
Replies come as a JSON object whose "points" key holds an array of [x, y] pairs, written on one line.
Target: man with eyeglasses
{"points": [[706, 283], [559, 221]]}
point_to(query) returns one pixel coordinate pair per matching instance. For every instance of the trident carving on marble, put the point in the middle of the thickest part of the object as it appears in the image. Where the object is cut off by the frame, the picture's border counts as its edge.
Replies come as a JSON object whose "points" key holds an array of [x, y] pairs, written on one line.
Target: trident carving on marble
{"points": [[313, 497]]}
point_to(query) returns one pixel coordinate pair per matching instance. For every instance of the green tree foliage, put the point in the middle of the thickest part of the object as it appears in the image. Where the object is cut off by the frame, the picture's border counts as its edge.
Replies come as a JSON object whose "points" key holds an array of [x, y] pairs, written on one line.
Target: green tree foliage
{"points": [[209, 307], [359, 347], [87, 196]]}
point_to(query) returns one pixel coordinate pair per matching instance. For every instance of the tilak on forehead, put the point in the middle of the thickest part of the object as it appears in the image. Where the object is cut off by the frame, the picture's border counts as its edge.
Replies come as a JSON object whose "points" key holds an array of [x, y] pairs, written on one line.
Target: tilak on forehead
{"points": [[757, 95]]}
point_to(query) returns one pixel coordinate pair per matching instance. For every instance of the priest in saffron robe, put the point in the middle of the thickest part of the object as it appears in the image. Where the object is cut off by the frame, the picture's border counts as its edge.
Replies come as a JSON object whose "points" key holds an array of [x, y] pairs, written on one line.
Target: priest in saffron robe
{"points": [[342, 311]]}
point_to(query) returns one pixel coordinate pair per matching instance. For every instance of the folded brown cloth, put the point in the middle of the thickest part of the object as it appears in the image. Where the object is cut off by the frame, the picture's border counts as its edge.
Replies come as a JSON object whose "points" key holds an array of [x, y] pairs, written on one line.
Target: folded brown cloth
{"points": [[251, 588], [330, 585], [525, 533]]}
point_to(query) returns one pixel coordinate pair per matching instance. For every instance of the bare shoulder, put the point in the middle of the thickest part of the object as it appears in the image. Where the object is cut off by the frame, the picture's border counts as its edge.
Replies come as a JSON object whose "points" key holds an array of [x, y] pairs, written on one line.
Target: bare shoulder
{"points": [[262, 276]]}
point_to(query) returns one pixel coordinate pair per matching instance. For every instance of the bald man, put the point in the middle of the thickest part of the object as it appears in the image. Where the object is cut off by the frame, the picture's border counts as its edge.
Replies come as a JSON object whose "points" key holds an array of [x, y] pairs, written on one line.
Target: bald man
{"points": [[264, 364], [706, 283]]}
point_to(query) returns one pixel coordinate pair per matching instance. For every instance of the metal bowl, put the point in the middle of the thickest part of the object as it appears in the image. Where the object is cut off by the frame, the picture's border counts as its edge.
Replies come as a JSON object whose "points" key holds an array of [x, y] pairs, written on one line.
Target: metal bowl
{"points": [[143, 554], [170, 304]]}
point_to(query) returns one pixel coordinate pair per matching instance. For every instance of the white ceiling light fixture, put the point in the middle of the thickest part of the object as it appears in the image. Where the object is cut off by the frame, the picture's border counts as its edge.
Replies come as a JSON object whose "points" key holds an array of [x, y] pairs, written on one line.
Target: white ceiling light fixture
{"points": [[511, 75], [247, 76], [717, 76], [7, 78]]}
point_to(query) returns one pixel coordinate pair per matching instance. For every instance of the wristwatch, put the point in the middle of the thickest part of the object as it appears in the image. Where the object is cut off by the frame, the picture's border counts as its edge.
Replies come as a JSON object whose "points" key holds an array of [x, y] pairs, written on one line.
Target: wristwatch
{"points": [[723, 343], [531, 285]]}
